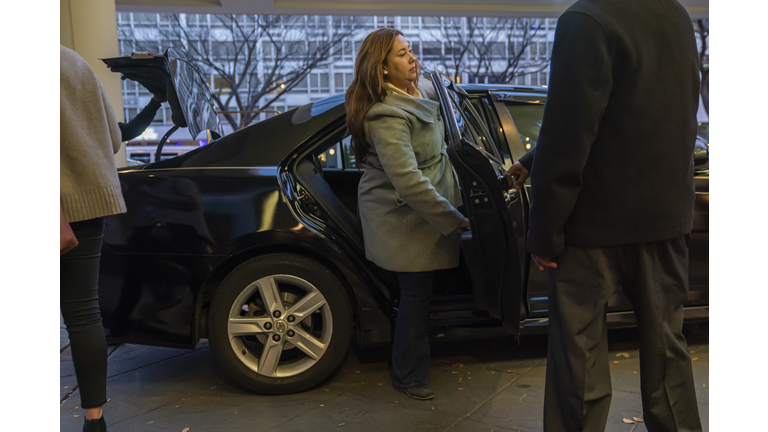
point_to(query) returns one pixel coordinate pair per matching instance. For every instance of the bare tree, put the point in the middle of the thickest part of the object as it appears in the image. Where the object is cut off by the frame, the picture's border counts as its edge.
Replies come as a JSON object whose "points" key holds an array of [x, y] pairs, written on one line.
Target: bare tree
{"points": [[519, 36], [489, 47], [456, 36], [257, 58], [702, 32]]}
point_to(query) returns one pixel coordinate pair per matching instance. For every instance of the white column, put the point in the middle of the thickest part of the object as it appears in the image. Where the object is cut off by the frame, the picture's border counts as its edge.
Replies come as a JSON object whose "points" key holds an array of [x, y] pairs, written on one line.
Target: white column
{"points": [[89, 27]]}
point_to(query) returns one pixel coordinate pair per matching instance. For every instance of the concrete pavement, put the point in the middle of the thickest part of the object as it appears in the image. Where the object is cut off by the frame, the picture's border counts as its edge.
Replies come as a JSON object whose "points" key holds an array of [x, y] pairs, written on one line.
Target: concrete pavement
{"points": [[482, 381]]}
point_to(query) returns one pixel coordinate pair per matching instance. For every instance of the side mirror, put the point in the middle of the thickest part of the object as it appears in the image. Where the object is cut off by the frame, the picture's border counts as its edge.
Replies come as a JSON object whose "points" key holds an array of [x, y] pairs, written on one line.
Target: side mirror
{"points": [[701, 155]]}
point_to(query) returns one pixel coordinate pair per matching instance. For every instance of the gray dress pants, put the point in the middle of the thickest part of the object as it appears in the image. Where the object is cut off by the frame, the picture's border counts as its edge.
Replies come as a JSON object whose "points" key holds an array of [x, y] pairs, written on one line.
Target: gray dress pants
{"points": [[578, 382]]}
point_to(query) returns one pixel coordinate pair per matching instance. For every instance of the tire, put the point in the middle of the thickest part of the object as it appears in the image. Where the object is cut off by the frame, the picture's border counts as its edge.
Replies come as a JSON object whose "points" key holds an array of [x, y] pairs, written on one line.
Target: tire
{"points": [[286, 346]]}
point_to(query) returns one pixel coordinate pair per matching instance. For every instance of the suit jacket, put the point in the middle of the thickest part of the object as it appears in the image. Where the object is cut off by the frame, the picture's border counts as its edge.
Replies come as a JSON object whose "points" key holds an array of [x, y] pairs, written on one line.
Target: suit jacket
{"points": [[408, 193], [614, 160]]}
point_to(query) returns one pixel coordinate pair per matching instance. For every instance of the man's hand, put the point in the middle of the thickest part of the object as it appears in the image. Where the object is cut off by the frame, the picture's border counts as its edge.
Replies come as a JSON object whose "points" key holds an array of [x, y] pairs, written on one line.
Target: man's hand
{"points": [[542, 262], [519, 173], [160, 97], [463, 226]]}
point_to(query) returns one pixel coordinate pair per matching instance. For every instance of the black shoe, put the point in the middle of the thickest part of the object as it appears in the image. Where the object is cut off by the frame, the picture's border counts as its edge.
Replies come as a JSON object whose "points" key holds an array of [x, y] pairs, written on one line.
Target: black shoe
{"points": [[96, 425], [419, 392]]}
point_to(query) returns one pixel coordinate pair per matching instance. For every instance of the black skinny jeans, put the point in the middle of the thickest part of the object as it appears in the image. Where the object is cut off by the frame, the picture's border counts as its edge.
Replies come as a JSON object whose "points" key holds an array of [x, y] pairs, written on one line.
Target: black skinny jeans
{"points": [[79, 277]]}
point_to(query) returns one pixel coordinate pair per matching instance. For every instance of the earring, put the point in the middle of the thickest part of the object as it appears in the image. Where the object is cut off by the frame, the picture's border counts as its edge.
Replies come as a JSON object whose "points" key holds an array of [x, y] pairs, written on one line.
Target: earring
{"points": [[385, 72]]}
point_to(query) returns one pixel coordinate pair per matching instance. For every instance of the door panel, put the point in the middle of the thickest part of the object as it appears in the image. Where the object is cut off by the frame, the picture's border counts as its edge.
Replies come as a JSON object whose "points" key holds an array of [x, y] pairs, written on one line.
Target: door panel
{"points": [[495, 212]]}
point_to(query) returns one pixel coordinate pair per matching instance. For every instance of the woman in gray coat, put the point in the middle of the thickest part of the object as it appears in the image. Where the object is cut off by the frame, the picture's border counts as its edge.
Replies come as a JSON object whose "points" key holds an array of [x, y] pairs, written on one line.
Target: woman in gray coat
{"points": [[408, 193]]}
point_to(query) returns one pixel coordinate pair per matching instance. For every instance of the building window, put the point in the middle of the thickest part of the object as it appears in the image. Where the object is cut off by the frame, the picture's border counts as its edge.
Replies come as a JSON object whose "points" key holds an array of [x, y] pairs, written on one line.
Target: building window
{"points": [[384, 21], [432, 50], [343, 80], [318, 83], [410, 23]]}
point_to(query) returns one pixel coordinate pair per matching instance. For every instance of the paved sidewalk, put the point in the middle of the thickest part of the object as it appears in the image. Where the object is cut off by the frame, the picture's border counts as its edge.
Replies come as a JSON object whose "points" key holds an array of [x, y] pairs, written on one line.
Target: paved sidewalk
{"points": [[481, 382]]}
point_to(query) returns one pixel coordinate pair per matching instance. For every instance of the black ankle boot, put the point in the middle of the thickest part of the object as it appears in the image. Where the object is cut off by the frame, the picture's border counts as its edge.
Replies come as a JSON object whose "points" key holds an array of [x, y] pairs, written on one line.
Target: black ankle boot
{"points": [[96, 425]]}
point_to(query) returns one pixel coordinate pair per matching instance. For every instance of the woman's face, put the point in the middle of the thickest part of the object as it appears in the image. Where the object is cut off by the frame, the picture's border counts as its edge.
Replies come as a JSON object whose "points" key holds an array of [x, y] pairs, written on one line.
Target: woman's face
{"points": [[400, 64]]}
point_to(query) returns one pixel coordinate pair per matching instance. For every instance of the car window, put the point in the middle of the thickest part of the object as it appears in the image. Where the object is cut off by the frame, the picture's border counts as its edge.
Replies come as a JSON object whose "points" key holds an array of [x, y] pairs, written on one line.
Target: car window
{"points": [[339, 156], [527, 118], [484, 108], [471, 127]]}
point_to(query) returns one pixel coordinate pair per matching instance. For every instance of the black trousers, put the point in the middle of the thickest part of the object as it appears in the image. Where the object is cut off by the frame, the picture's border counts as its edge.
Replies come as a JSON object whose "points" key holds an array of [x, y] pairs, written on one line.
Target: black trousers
{"points": [[410, 349], [578, 382], [79, 277]]}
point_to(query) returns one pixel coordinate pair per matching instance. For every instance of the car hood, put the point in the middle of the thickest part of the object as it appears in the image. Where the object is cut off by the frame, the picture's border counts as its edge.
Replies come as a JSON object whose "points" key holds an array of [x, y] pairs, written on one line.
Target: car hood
{"points": [[173, 74]]}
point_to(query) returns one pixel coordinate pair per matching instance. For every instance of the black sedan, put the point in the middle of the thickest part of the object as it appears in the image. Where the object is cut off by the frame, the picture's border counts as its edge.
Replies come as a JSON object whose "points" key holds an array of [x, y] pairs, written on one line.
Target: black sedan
{"points": [[253, 241]]}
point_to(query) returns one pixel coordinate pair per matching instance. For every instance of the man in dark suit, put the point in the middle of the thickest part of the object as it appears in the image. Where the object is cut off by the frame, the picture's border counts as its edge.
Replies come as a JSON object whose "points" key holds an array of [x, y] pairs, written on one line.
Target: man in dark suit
{"points": [[612, 205]]}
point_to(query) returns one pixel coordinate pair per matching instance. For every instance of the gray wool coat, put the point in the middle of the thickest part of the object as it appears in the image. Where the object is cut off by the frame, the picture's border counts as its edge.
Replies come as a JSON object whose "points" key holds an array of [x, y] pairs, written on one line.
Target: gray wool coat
{"points": [[409, 192]]}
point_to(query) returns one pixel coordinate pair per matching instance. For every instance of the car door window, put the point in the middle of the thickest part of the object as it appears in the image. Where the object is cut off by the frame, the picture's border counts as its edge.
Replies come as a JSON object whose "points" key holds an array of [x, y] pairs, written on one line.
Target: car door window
{"points": [[527, 118], [339, 156], [472, 128], [484, 108]]}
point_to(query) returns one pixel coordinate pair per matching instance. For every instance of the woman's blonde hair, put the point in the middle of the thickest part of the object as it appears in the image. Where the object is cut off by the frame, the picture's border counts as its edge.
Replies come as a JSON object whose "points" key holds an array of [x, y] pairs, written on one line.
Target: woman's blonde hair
{"points": [[368, 87]]}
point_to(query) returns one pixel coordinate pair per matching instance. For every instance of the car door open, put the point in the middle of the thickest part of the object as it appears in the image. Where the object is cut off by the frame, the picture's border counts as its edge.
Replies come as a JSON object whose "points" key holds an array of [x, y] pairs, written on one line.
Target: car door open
{"points": [[492, 247]]}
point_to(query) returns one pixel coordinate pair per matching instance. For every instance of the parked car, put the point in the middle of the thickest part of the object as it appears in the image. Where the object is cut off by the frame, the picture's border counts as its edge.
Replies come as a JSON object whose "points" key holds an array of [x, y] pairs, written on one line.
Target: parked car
{"points": [[253, 241]]}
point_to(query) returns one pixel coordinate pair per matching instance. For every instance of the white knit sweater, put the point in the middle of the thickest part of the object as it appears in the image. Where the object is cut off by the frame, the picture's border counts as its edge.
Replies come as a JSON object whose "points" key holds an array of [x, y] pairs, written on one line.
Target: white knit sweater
{"points": [[89, 138]]}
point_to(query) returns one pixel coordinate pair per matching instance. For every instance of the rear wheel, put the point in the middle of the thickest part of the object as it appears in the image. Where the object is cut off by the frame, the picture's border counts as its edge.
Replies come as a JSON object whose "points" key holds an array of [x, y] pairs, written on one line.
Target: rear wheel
{"points": [[280, 323]]}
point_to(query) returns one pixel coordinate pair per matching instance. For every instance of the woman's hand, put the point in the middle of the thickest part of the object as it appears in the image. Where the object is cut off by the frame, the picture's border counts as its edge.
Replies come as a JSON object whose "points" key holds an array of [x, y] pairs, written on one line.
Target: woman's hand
{"points": [[463, 226], [519, 173]]}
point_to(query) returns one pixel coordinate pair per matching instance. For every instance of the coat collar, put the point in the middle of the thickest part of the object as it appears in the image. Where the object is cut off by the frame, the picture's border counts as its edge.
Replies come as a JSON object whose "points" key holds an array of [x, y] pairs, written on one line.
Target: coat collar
{"points": [[422, 108]]}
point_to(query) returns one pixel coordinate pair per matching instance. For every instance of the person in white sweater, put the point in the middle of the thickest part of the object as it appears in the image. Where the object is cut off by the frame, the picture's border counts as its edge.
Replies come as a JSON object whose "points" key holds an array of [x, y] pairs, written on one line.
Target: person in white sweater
{"points": [[89, 191]]}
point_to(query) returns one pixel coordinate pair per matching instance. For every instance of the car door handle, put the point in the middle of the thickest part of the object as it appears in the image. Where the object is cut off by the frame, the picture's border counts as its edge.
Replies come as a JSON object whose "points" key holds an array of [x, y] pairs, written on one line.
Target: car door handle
{"points": [[510, 193]]}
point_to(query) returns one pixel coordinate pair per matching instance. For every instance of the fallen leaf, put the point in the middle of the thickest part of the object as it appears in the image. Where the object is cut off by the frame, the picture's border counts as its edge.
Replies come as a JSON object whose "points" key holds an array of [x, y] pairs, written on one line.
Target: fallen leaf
{"points": [[628, 421], [342, 424], [433, 407], [616, 361], [458, 365], [185, 430], [637, 419], [454, 371], [77, 415], [626, 355], [76, 408], [355, 372], [322, 404], [694, 359], [634, 371], [692, 351], [461, 388], [151, 422]]}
